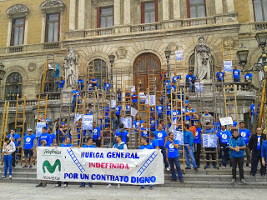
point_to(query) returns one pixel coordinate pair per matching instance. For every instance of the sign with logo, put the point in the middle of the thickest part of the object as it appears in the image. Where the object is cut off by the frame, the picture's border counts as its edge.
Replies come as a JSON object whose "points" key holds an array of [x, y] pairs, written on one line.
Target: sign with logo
{"points": [[77, 117], [136, 167], [228, 66], [179, 55], [198, 87], [209, 140], [113, 104], [88, 122], [39, 127]]}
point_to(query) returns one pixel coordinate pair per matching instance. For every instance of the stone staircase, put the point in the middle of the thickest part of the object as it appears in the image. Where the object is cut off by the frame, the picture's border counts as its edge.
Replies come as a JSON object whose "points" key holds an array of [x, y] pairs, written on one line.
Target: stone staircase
{"points": [[211, 178]]}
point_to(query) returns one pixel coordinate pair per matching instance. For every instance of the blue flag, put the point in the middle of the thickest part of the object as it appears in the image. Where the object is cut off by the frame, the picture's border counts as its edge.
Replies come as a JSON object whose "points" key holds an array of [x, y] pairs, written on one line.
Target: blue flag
{"points": [[57, 71]]}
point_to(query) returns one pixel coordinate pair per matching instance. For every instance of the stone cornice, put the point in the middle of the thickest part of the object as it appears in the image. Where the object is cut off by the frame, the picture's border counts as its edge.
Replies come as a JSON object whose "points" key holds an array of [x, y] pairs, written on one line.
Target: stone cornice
{"points": [[49, 6], [18, 10]]}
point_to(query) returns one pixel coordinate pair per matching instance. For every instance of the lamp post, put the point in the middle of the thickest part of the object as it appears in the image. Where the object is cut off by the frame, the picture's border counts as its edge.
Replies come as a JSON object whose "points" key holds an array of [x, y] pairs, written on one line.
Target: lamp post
{"points": [[111, 58], [168, 55], [242, 55], [2, 73]]}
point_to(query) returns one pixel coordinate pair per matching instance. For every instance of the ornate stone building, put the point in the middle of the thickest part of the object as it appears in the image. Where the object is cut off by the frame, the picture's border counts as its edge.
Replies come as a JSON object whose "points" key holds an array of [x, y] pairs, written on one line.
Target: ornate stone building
{"points": [[137, 32]]}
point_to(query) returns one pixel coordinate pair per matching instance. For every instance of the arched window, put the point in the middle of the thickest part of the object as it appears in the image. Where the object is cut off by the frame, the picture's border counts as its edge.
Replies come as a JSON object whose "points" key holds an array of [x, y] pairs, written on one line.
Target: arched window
{"points": [[192, 64], [50, 85], [196, 8], [260, 10], [13, 86], [98, 68]]}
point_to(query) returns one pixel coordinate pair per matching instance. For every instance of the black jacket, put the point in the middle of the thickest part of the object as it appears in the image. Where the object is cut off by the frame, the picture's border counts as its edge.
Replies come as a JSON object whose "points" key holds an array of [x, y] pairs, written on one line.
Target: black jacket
{"points": [[252, 144]]}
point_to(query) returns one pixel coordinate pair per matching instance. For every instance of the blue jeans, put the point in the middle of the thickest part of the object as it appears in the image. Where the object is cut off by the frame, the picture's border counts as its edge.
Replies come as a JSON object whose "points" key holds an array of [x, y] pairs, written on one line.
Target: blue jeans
{"points": [[8, 164], [178, 168], [189, 153], [83, 184], [163, 151], [236, 79]]}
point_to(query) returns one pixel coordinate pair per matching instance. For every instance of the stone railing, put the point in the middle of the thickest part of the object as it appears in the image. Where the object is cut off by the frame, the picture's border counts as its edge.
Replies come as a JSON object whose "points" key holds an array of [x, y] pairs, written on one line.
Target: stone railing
{"points": [[198, 21], [146, 27], [99, 32], [51, 95], [51, 45], [260, 25], [15, 49], [13, 103]]}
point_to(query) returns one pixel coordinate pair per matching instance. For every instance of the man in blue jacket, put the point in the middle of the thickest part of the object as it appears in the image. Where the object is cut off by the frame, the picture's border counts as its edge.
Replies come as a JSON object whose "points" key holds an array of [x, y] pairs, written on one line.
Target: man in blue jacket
{"points": [[264, 153], [237, 147], [188, 147]]}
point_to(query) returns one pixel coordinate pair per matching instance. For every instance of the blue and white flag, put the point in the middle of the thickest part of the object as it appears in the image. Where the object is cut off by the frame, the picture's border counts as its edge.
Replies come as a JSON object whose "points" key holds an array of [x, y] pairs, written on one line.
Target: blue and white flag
{"points": [[210, 140], [88, 122], [228, 66], [179, 135], [57, 71]]}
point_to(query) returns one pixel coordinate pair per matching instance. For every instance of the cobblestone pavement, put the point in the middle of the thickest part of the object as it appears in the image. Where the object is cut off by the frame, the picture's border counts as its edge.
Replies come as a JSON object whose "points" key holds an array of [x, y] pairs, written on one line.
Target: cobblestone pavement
{"points": [[30, 192]]}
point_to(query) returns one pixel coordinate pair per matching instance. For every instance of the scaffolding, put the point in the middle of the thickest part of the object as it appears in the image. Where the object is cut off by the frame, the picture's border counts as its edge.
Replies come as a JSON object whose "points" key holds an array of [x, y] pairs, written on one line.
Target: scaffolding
{"points": [[4, 128], [227, 48]]}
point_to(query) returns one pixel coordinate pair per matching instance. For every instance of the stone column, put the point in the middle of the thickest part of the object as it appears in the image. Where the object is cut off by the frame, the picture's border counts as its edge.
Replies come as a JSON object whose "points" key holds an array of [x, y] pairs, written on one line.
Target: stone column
{"points": [[219, 7], [165, 9], [81, 15], [9, 30], [176, 9], [230, 6], [26, 31], [72, 15], [117, 12], [127, 12]]}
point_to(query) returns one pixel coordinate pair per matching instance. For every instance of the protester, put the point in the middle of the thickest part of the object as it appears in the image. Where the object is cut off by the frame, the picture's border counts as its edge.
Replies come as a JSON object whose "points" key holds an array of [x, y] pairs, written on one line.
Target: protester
{"points": [[29, 143], [206, 117], [60, 84], [245, 134], [65, 144], [224, 137], [44, 136], [190, 80], [188, 148], [14, 137], [220, 75], [264, 153], [255, 143], [237, 147], [75, 95], [197, 143], [97, 133], [8, 148], [210, 151], [236, 74], [52, 138], [172, 152], [80, 83], [42, 183], [153, 141], [123, 132]]}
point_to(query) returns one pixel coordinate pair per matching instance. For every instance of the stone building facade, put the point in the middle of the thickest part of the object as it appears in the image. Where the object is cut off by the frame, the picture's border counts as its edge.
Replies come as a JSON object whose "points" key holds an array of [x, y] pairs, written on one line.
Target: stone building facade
{"points": [[133, 30]]}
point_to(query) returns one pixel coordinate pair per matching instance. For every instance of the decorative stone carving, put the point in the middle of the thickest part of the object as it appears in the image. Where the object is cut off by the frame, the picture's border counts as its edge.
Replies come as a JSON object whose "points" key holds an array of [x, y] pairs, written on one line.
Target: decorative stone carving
{"points": [[18, 10], [228, 42], [70, 68], [32, 67], [121, 53], [202, 60], [52, 5], [172, 46]]}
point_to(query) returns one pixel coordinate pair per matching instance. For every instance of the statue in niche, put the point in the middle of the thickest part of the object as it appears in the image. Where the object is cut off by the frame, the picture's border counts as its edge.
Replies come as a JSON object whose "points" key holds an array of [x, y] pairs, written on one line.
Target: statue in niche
{"points": [[70, 68], [202, 60]]}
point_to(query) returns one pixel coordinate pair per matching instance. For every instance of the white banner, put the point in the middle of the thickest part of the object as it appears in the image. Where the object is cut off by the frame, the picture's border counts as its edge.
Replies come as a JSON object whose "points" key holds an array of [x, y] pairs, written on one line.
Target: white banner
{"points": [[39, 127], [136, 167], [127, 122], [226, 121], [179, 55], [88, 122]]}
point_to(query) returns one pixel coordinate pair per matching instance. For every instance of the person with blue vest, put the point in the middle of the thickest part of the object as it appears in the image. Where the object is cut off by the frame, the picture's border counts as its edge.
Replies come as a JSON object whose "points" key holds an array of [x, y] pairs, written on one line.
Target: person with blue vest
{"points": [[121, 146], [220, 75], [123, 132], [14, 137], [28, 144], [264, 153], [44, 136], [236, 74], [190, 80], [245, 134], [89, 144], [80, 83], [237, 147], [188, 147], [65, 144], [161, 136], [172, 152], [224, 137], [153, 141]]}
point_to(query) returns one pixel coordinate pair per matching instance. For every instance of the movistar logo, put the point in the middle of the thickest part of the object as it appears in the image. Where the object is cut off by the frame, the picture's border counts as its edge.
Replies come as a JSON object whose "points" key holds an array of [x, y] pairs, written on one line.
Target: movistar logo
{"points": [[52, 168]]}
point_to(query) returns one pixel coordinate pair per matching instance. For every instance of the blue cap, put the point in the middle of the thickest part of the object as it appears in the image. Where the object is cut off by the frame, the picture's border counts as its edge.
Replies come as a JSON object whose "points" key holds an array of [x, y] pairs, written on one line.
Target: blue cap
{"points": [[186, 101]]}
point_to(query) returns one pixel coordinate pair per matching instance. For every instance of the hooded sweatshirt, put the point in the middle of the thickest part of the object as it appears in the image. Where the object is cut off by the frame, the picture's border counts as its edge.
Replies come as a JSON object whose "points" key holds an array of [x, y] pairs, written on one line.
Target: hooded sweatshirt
{"points": [[11, 148], [238, 141]]}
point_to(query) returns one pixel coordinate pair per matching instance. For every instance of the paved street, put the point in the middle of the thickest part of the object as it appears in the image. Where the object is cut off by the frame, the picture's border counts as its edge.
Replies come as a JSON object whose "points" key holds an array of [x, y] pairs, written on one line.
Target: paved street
{"points": [[29, 191]]}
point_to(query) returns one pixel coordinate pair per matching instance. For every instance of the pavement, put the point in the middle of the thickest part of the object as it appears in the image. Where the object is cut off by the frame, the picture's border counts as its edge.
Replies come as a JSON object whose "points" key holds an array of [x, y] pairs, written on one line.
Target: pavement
{"points": [[73, 192]]}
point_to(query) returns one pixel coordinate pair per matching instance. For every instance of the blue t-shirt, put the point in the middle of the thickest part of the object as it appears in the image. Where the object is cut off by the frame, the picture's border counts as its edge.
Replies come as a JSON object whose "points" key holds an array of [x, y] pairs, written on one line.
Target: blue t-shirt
{"points": [[96, 133], [245, 134], [77, 92], [118, 110], [60, 83], [175, 78], [169, 109], [154, 143], [189, 78], [51, 139], [248, 76], [152, 124], [69, 145], [252, 107], [80, 81], [236, 73], [188, 138], [148, 146], [86, 146], [144, 132], [45, 136], [160, 136], [210, 130], [96, 81], [172, 151], [106, 86], [259, 143], [220, 76], [224, 137], [123, 134], [28, 141], [197, 138], [159, 109], [138, 124], [134, 98], [16, 137]]}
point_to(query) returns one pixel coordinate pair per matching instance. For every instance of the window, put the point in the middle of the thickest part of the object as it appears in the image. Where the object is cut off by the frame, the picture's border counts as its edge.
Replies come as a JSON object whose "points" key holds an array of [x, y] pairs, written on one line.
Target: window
{"points": [[98, 69], [105, 17], [52, 27], [50, 85], [18, 31], [13, 86], [196, 8], [149, 12], [260, 10]]}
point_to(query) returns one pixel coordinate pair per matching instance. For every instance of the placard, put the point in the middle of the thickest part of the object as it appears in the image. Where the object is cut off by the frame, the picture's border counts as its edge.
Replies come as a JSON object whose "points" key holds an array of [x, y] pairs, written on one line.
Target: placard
{"points": [[39, 127], [152, 100], [226, 121], [133, 112], [179, 55], [179, 135], [77, 117], [113, 104], [127, 122], [198, 87], [228, 67], [210, 140], [88, 122]]}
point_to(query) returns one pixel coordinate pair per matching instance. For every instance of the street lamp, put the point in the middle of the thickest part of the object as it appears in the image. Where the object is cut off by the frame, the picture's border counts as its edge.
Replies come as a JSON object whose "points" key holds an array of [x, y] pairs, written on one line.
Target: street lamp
{"points": [[168, 55], [242, 55], [111, 58]]}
